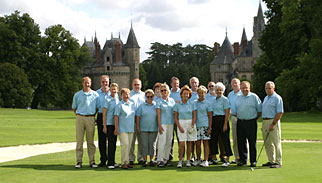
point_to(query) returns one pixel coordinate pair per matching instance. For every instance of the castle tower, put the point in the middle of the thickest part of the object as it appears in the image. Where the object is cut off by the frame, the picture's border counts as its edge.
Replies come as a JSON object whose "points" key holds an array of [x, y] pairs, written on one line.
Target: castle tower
{"points": [[258, 27], [132, 54], [243, 41], [97, 49]]}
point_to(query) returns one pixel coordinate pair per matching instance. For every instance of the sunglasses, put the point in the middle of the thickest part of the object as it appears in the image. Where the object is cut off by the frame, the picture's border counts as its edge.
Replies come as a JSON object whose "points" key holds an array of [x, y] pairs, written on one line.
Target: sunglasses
{"points": [[163, 90], [210, 86], [149, 96]]}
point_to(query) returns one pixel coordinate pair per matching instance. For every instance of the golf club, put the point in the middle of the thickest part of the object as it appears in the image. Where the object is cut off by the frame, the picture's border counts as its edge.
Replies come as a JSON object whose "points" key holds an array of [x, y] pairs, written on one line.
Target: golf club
{"points": [[253, 168]]}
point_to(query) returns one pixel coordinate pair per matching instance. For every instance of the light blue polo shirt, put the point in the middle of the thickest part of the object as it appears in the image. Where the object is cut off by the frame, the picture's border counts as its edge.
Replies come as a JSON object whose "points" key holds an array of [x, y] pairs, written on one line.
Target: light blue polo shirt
{"points": [[148, 117], [110, 105], [103, 98], [185, 110], [248, 106], [272, 105], [193, 97], [219, 106], [126, 113], [232, 96], [156, 99], [175, 95], [86, 103], [203, 108], [210, 98], [166, 108], [137, 98]]}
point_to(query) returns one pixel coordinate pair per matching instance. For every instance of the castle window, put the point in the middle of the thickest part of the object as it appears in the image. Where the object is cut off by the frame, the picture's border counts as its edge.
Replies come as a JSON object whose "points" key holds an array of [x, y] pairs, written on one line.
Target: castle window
{"points": [[108, 68], [107, 59]]}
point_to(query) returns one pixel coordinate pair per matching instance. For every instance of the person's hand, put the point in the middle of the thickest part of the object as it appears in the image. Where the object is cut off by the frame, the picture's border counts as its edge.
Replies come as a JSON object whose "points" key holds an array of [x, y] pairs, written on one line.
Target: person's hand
{"points": [[225, 127], [160, 129], [208, 131], [181, 129], [116, 131], [271, 127], [104, 129]]}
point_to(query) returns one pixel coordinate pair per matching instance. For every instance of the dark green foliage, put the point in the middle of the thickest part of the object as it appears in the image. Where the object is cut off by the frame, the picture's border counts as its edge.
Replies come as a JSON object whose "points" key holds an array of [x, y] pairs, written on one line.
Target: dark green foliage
{"points": [[166, 61], [15, 90]]}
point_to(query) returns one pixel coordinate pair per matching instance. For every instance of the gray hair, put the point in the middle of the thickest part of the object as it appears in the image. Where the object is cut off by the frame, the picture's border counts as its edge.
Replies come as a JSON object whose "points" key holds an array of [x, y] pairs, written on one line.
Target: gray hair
{"points": [[105, 76], [192, 79], [220, 85], [270, 83], [202, 88]]}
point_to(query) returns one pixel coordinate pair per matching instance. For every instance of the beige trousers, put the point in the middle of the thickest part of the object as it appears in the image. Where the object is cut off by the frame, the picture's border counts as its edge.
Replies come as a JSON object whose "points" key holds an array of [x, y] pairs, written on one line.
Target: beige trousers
{"points": [[234, 134], [126, 142], [273, 145], [85, 124]]}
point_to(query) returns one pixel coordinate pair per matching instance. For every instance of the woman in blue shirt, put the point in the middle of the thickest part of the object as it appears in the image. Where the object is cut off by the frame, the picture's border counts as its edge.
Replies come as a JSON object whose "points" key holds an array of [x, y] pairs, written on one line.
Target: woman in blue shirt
{"points": [[108, 124], [185, 118], [124, 117], [147, 126], [220, 124]]}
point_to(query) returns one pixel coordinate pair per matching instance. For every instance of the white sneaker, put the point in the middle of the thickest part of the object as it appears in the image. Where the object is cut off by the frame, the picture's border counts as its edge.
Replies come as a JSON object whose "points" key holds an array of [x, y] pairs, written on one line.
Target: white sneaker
{"points": [[110, 167], [188, 163], [93, 165], [196, 162], [78, 165], [180, 164], [204, 164], [226, 164]]}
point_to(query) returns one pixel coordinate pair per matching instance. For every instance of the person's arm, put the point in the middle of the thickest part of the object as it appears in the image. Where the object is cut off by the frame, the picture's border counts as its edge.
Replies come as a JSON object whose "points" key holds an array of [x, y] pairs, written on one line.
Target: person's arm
{"points": [[278, 116], [104, 120], [137, 119], [176, 120], [209, 122], [194, 118], [74, 111], [159, 120], [116, 123], [227, 114], [259, 114]]}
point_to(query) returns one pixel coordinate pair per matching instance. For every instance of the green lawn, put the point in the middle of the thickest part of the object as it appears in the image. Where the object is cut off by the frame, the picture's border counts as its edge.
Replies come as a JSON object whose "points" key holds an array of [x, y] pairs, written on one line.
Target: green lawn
{"points": [[21, 126], [301, 163]]}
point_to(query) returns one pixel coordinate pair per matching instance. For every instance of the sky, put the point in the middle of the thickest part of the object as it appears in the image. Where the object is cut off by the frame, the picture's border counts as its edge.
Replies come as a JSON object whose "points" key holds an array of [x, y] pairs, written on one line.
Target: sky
{"points": [[164, 21]]}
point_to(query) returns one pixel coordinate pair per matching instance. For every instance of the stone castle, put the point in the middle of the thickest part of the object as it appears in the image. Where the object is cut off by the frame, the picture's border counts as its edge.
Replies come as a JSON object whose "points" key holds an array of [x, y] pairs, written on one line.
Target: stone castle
{"points": [[237, 60], [117, 60]]}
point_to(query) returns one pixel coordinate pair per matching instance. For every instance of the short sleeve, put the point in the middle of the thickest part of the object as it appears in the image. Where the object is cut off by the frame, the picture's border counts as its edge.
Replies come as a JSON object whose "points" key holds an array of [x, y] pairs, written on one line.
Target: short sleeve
{"points": [[259, 104], [117, 109], [226, 104], [279, 107], [175, 107], [74, 105]]}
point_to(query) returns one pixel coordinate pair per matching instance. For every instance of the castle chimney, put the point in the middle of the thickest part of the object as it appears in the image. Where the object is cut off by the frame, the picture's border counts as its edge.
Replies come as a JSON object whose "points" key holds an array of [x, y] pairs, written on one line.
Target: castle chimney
{"points": [[216, 48], [236, 48]]}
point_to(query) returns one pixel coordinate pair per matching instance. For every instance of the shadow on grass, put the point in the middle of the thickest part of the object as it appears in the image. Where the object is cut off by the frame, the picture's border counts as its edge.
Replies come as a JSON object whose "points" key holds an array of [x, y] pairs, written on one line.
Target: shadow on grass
{"points": [[64, 167]]}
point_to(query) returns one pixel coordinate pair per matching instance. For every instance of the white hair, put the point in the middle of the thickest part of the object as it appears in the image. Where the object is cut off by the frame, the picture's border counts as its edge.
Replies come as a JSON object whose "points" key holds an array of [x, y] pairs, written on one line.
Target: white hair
{"points": [[192, 79], [220, 85], [270, 83]]}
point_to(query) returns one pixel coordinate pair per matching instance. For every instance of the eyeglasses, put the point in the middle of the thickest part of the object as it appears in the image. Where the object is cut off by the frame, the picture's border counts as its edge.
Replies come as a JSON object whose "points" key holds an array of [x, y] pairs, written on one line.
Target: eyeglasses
{"points": [[164, 90], [149, 96], [210, 86]]}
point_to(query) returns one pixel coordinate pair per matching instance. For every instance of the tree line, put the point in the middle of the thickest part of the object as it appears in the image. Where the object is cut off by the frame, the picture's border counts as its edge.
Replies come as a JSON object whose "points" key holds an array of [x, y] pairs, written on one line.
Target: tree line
{"points": [[35, 70]]}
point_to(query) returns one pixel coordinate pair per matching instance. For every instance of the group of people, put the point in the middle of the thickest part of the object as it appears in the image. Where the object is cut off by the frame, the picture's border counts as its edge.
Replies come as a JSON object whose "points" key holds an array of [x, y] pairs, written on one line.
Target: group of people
{"points": [[199, 116]]}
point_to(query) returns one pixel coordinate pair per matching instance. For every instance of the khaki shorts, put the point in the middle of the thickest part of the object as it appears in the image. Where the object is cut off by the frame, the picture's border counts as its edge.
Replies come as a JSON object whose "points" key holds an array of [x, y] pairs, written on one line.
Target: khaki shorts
{"points": [[189, 134]]}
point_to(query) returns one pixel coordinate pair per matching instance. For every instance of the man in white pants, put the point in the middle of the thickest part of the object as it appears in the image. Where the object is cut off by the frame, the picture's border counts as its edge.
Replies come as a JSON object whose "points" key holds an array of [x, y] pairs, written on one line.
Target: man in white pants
{"points": [[232, 96], [272, 111]]}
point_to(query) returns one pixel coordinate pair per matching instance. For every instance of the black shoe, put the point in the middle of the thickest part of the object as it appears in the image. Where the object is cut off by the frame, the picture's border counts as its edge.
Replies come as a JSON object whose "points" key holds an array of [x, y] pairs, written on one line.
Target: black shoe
{"points": [[253, 164], [141, 162], [78, 165], [131, 162], [151, 163], [241, 164], [223, 160], [169, 163], [145, 164], [102, 164], [267, 164], [161, 164], [275, 165]]}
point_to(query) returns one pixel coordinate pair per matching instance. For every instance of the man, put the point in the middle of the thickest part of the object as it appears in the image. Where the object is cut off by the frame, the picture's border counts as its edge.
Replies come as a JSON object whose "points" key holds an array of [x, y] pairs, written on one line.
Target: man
{"points": [[249, 109], [138, 97], [194, 84], [175, 90], [103, 93], [211, 95], [272, 113], [85, 106], [232, 96]]}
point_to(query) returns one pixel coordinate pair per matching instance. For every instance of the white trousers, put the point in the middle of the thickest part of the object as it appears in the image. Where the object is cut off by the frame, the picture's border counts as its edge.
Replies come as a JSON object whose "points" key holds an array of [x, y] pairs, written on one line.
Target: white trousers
{"points": [[164, 142]]}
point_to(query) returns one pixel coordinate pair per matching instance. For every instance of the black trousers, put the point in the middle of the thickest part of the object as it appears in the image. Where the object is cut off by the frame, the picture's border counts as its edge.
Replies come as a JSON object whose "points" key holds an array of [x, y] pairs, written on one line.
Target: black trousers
{"points": [[247, 129], [111, 145], [217, 130], [101, 138]]}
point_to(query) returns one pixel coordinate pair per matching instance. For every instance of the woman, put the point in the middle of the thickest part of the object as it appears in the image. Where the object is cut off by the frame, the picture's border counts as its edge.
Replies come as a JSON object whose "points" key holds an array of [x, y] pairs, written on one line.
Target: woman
{"points": [[220, 124], [108, 124], [185, 118], [124, 117], [165, 122], [147, 126], [157, 92], [203, 123]]}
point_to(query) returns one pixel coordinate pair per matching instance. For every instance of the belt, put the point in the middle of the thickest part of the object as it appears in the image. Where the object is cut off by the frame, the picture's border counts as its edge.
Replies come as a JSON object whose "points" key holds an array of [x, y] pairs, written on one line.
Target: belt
{"points": [[86, 115], [267, 118], [245, 120]]}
